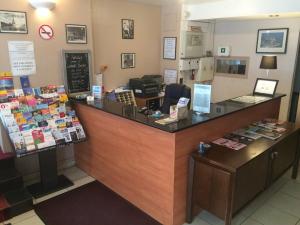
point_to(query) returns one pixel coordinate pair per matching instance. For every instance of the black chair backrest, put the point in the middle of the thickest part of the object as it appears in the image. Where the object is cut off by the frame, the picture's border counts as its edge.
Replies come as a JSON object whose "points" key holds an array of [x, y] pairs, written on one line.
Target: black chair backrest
{"points": [[172, 94]]}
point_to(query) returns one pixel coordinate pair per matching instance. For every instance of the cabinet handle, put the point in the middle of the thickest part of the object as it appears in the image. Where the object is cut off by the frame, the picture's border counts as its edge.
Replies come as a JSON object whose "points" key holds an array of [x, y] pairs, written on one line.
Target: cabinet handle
{"points": [[274, 155]]}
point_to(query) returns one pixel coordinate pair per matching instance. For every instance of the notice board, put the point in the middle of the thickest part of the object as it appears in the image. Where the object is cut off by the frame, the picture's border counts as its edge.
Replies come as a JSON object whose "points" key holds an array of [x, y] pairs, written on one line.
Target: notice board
{"points": [[77, 71]]}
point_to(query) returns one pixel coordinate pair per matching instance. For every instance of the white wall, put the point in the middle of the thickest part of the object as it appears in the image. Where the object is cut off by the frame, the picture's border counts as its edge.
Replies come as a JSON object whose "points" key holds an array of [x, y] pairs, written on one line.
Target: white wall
{"points": [[213, 9], [242, 36], [170, 27], [48, 59]]}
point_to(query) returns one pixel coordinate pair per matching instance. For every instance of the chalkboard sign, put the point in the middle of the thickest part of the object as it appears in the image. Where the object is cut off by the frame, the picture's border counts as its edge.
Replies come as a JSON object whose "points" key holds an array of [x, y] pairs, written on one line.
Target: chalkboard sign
{"points": [[77, 71]]}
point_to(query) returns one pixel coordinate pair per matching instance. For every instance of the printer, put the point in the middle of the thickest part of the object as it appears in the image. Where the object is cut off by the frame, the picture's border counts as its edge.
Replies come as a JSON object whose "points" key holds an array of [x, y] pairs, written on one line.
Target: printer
{"points": [[144, 88]]}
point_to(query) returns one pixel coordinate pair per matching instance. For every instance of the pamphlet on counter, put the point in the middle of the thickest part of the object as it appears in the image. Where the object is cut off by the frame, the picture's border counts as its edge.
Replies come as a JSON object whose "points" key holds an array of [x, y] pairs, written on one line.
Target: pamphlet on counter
{"points": [[239, 139]]}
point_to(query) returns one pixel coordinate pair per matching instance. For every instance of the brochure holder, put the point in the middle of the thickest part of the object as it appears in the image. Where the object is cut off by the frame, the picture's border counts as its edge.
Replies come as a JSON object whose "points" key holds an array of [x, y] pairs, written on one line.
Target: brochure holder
{"points": [[40, 121], [178, 113]]}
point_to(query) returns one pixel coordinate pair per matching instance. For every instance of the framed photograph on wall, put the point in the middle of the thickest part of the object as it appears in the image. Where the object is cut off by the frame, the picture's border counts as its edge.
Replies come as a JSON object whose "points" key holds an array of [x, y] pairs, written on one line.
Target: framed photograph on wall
{"points": [[272, 40], [76, 34], [13, 22], [127, 60], [127, 29], [170, 45]]}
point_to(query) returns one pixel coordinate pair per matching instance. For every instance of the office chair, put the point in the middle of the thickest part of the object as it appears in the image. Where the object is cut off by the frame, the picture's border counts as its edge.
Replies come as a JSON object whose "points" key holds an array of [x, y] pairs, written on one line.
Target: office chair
{"points": [[173, 93]]}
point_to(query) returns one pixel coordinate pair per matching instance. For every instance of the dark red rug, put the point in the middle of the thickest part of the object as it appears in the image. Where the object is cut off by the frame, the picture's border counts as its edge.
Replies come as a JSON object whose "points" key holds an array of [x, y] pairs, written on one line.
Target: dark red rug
{"points": [[5, 155], [91, 204]]}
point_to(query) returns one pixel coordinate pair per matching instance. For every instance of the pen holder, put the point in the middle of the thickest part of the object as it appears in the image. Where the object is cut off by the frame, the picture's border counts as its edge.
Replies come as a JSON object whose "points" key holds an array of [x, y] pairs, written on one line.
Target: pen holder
{"points": [[183, 113]]}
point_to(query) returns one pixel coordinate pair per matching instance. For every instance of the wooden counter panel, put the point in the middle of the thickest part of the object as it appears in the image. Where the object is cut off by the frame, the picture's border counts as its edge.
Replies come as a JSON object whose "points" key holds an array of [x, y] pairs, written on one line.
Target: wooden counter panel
{"points": [[147, 166], [188, 140], [134, 160]]}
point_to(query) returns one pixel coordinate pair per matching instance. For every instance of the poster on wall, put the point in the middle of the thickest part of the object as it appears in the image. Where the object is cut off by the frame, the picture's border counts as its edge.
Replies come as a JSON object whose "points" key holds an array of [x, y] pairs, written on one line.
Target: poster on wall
{"points": [[170, 48], [170, 76], [22, 59]]}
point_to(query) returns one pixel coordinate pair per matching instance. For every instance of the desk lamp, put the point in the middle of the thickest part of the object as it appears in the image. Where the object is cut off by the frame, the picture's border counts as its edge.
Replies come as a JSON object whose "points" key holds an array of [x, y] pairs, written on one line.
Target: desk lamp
{"points": [[268, 62]]}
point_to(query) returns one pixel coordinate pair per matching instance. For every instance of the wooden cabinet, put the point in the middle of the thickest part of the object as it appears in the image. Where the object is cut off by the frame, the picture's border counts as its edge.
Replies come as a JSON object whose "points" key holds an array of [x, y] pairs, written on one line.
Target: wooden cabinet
{"points": [[283, 155], [223, 181], [250, 180]]}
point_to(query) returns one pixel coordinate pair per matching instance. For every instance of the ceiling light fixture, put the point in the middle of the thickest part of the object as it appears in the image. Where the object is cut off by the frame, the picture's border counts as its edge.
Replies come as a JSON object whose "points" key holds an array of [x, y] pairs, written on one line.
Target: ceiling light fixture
{"points": [[43, 4]]}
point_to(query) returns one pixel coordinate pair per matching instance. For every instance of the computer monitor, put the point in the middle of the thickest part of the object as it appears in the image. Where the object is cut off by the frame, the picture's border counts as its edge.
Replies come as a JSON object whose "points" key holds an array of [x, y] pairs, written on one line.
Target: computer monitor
{"points": [[265, 87]]}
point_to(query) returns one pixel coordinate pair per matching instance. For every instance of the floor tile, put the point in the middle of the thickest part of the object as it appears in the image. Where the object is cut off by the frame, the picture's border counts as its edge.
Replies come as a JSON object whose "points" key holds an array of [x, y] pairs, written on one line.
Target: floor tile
{"points": [[251, 222], [198, 221], [35, 220], [255, 204], [213, 220], [21, 217], [81, 182], [268, 215], [292, 188], [285, 203], [74, 173]]}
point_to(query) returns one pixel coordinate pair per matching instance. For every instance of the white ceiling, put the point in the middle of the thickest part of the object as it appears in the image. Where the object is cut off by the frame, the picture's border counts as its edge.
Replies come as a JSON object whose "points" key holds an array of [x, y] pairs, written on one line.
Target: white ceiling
{"points": [[165, 2]]}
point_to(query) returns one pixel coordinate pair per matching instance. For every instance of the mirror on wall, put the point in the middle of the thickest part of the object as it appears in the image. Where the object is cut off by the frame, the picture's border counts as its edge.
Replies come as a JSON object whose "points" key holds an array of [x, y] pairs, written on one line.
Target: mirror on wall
{"points": [[232, 66]]}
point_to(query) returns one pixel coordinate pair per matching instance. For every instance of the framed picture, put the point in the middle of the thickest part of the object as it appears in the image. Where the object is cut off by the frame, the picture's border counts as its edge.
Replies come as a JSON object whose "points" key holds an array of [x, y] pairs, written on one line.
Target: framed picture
{"points": [[127, 60], [127, 29], [272, 40], [170, 45], [76, 34], [13, 22]]}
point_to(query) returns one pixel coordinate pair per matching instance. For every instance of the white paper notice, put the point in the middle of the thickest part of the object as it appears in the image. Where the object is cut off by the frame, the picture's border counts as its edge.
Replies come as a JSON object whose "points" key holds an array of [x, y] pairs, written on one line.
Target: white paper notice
{"points": [[170, 77], [22, 60], [170, 48], [202, 98]]}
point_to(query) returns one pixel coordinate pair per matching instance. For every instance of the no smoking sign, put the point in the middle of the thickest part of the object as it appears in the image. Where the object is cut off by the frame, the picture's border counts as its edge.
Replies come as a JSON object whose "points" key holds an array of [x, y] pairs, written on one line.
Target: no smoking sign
{"points": [[46, 32]]}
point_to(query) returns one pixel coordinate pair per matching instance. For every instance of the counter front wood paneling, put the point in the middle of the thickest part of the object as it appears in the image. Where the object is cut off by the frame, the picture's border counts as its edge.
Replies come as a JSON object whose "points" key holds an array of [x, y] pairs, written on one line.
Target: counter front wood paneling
{"points": [[133, 160], [148, 166]]}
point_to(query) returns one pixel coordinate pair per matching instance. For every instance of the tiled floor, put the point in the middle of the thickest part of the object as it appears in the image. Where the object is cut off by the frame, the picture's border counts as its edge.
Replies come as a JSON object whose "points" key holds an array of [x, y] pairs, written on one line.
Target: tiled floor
{"points": [[279, 205]]}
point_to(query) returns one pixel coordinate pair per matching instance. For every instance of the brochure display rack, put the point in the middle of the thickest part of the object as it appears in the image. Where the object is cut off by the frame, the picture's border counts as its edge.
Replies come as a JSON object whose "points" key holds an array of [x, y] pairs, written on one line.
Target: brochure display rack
{"points": [[40, 121]]}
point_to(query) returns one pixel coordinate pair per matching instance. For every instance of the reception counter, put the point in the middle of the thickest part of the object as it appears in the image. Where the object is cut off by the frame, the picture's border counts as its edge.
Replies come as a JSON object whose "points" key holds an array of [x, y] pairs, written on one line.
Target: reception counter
{"points": [[147, 163]]}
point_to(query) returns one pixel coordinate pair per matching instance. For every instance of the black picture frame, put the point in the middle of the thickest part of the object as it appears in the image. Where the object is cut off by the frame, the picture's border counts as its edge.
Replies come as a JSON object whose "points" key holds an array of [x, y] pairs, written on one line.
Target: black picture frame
{"points": [[174, 53], [13, 23], [275, 32], [127, 29], [78, 41], [265, 94], [127, 64]]}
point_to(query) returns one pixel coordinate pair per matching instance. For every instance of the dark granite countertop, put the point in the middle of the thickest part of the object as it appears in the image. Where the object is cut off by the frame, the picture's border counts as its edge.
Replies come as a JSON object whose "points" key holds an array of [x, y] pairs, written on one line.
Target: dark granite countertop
{"points": [[130, 112]]}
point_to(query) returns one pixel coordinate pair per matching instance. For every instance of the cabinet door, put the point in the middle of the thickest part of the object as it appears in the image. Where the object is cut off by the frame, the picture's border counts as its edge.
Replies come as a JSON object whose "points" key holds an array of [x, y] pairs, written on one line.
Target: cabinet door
{"points": [[251, 179], [212, 189], [283, 155]]}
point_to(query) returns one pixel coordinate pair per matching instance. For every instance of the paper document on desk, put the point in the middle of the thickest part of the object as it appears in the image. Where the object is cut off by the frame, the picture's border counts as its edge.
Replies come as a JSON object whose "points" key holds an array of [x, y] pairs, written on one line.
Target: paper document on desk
{"points": [[250, 99], [166, 121], [170, 77]]}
